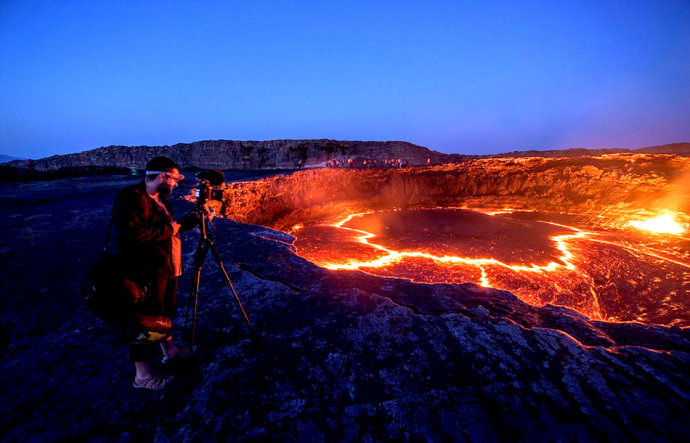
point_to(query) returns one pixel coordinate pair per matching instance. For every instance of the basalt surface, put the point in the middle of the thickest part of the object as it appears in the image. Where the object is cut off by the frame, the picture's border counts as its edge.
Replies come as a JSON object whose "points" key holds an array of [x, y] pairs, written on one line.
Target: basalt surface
{"points": [[335, 355]]}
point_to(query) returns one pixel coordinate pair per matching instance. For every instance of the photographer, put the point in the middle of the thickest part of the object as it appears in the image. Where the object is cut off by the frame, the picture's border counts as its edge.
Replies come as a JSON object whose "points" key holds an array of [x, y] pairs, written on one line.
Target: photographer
{"points": [[147, 239]]}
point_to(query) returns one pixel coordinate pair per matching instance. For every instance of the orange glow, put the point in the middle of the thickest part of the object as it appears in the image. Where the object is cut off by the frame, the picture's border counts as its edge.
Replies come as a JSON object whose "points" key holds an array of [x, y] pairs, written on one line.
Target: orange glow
{"points": [[551, 231], [392, 256], [577, 273], [663, 224]]}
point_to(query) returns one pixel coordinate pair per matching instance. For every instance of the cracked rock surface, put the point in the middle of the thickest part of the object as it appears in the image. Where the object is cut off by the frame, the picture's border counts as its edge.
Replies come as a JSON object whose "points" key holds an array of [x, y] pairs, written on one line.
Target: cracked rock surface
{"points": [[333, 356]]}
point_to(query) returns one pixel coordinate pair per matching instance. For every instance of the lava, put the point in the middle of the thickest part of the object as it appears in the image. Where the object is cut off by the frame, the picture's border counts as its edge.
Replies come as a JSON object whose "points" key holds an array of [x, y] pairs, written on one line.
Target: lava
{"points": [[393, 256], [549, 230], [539, 260], [663, 224]]}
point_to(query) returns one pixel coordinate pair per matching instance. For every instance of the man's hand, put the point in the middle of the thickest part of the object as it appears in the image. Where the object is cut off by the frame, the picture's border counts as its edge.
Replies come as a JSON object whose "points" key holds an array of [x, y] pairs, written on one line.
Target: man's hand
{"points": [[176, 227]]}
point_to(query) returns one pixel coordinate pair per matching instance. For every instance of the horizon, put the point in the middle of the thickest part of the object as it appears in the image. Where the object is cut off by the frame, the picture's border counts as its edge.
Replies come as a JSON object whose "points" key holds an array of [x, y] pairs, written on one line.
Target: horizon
{"points": [[456, 77], [12, 157]]}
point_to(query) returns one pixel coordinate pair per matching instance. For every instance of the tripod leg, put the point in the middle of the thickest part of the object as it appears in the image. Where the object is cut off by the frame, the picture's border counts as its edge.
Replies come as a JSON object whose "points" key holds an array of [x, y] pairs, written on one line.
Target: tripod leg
{"points": [[227, 278], [197, 277], [200, 256], [193, 294]]}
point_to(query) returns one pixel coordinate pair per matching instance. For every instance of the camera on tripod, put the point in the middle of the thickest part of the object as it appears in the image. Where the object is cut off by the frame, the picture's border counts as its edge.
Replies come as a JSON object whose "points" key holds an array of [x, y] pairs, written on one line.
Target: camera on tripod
{"points": [[210, 187], [206, 192]]}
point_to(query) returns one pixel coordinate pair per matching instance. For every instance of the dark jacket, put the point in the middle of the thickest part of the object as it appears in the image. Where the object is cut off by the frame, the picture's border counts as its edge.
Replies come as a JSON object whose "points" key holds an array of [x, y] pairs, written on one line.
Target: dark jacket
{"points": [[143, 232]]}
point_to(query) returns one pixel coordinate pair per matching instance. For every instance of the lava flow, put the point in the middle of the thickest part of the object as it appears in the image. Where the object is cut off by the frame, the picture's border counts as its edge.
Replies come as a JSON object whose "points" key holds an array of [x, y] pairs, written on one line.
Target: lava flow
{"points": [[539, 257]]}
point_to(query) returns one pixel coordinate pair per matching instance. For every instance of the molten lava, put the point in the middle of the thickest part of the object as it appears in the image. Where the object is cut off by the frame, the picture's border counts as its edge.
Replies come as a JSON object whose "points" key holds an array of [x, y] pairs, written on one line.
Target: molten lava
{"points": [[663, 224], [575, 248], [536, 256]]}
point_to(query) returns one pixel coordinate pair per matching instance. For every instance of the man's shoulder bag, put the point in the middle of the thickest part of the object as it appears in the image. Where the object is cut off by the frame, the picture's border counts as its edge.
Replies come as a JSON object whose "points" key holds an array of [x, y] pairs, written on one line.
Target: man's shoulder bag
{"points": [[109, 293], [115, 296]]}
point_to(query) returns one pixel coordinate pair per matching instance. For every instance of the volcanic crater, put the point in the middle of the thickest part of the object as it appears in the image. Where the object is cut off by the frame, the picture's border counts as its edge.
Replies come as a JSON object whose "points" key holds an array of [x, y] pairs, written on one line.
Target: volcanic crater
{"points": [[411, 347], [551, 231]]}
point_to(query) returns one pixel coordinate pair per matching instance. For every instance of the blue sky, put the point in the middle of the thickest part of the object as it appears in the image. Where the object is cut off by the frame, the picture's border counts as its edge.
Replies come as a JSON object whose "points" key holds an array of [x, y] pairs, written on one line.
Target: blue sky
{"points": [[455, 76]]}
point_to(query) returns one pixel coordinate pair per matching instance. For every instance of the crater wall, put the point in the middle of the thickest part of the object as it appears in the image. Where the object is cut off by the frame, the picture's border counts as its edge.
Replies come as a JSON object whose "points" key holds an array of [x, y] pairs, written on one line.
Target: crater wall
{"points": [[607, 189]]}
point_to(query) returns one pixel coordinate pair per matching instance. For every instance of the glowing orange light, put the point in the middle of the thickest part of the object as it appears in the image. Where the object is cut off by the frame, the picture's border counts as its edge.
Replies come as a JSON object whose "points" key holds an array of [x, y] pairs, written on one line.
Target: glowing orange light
{"points": [[662, 224], [396, 256], [569, 271]]}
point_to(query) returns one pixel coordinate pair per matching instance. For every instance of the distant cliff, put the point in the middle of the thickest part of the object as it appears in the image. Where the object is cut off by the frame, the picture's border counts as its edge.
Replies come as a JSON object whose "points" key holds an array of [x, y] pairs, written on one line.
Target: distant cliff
{"points": [[672, 148], [682, 149], [228, 154], [271, 154], [7, 158]]}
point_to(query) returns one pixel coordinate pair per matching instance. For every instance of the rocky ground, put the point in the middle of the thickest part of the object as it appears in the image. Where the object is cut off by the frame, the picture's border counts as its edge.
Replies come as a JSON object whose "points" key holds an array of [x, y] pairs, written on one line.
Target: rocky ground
{"points": [[333, 355]]}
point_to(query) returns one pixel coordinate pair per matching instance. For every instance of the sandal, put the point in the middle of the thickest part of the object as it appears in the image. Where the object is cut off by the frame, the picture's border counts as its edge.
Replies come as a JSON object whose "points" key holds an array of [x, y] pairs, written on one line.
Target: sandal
{"points": [[181, 354], [153, 382]]}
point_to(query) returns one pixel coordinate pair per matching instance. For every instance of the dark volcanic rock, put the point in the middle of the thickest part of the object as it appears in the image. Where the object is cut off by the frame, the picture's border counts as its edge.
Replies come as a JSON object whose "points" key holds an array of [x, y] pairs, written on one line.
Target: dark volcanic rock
{"points": [[335, 355]]}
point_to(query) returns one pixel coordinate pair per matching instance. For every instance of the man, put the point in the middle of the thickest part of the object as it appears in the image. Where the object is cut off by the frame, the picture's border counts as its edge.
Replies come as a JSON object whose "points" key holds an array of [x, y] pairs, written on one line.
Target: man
{"points": [[147, 239]]}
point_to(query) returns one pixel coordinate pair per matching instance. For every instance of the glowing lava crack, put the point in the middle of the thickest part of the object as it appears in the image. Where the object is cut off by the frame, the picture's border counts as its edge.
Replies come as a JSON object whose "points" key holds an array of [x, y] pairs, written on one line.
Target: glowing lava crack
{"points": [[533, 255], [397, 256]]}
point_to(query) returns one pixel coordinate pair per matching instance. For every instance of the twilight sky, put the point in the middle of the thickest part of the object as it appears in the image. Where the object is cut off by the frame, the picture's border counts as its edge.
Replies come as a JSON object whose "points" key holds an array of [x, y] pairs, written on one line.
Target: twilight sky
{"points": [[455, 76]]}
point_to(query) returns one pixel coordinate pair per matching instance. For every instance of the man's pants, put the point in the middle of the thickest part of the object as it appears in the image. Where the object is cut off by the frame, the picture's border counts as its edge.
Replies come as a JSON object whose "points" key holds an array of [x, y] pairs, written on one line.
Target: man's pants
{"points": [[161, 300]]}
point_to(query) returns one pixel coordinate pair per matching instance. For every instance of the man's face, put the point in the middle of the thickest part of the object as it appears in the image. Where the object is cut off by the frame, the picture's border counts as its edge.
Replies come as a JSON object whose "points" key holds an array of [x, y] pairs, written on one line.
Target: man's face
{"points": [[168, 181]]}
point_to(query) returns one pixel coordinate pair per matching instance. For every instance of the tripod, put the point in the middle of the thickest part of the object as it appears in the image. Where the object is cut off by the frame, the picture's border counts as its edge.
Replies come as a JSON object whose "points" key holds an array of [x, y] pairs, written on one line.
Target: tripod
{"points": [[202, 248]]}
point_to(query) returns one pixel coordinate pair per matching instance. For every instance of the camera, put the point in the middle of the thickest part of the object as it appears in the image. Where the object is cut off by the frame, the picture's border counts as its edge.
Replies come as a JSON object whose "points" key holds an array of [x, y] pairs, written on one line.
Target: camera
{"points": [[206, 192], [210, 183]]}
